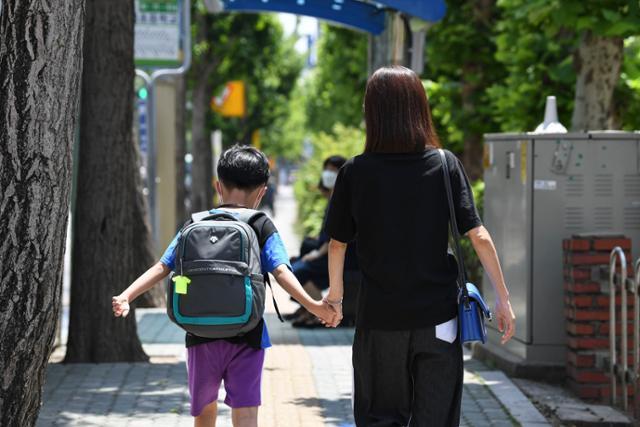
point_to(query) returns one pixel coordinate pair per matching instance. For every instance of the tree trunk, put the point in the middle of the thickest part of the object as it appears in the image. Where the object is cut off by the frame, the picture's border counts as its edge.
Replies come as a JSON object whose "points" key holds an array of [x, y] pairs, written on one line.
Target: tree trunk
{"points": [[473, 143], [40, 66], [181, 150], [597, 61], [472, 71], [111, 244], [202, 167]]}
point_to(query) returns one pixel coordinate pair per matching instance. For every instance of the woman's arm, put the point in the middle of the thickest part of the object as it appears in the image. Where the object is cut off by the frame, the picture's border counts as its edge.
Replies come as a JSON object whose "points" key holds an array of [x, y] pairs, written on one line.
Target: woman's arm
{"points": [[484, 247], [141, 285], [288, 281], [337, 251]]}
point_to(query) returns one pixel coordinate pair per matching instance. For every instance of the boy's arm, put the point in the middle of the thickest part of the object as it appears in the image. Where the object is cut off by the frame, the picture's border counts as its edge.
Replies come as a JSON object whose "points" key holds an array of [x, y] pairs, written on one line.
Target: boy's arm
{"points": [[288, 281], [141, 285]]}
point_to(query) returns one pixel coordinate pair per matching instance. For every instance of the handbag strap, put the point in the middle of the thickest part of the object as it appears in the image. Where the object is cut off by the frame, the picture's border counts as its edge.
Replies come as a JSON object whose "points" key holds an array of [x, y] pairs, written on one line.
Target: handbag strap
{"points": [[453, 224]]}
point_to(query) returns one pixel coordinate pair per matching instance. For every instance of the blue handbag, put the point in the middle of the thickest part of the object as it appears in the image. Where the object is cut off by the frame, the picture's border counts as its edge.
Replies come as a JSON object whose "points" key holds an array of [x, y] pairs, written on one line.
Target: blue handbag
{"points": [[472, 310]]}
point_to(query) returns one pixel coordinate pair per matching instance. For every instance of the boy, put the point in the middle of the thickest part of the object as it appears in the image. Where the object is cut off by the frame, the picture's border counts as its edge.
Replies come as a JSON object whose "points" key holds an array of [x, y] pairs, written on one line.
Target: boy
{"points": [[243, 173]]}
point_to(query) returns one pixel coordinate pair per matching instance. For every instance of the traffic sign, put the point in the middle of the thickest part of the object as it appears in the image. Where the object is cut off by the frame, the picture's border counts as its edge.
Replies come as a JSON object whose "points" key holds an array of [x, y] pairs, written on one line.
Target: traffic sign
{"points": [[157, 33], [231, 102]]}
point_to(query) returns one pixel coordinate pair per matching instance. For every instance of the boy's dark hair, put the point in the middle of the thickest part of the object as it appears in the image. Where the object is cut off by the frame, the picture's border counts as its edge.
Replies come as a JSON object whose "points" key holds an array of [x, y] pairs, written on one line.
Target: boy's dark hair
{"points": [[335, 161], [243, 167]]}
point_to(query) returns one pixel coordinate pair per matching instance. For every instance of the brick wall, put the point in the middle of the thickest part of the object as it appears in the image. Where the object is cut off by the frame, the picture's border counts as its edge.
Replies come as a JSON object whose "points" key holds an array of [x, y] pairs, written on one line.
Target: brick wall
{"points": [[586, 300]]}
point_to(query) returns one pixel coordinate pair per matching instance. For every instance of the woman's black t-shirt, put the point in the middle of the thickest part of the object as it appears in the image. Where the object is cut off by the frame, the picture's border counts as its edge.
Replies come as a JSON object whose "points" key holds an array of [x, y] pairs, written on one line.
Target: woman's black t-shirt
{"points": [[395, 207]]}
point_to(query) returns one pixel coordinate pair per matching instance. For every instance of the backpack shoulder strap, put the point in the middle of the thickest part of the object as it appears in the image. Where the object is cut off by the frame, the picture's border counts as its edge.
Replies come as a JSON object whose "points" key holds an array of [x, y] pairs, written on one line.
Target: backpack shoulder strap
{"points": [[198, 216], [273, 297], [248, 215]]}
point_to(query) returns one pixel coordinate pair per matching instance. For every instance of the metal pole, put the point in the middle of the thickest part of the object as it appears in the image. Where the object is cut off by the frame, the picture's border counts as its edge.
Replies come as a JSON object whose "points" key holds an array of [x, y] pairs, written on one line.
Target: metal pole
{"points": [[635, 289], [616, 253], [152, 112], [151, 150], [623, 333]]}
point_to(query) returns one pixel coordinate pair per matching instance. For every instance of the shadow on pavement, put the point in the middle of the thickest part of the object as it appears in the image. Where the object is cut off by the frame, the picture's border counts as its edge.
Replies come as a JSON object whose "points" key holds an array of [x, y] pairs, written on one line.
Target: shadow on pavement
{"points": [[334, 412], [88, 392]]}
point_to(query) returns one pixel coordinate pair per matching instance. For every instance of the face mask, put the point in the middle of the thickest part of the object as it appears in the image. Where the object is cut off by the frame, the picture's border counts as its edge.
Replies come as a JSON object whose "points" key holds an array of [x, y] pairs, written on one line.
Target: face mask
{"points": [[329, 178]]}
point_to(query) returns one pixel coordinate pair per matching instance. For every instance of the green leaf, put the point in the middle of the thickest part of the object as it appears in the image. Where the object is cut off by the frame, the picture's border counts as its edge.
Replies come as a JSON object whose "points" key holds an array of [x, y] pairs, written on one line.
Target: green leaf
{"points": [[611, 15]]}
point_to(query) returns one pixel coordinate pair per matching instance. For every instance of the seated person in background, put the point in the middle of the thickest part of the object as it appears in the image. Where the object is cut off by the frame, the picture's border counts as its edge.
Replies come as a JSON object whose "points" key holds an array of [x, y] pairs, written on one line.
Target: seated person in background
{"points": [[312, 269]]}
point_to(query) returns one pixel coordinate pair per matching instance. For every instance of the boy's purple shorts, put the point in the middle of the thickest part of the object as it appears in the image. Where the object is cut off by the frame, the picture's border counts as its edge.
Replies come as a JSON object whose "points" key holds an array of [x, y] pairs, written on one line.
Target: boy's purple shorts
{"points": [[239, 365]]}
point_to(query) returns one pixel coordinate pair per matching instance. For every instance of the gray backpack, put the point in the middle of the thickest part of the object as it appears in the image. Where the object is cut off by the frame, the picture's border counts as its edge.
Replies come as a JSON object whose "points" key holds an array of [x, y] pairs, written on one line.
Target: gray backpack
{"points": [[218, 289]]}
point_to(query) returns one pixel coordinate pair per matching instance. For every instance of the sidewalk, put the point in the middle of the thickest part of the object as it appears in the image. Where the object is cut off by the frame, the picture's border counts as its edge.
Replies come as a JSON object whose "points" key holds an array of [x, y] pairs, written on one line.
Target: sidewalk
{"points": [[307, 378]]}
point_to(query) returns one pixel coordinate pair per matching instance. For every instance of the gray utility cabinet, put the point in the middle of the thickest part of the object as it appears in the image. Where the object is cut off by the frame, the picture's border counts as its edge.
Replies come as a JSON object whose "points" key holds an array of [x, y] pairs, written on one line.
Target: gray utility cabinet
{"points": [[540, 189]]}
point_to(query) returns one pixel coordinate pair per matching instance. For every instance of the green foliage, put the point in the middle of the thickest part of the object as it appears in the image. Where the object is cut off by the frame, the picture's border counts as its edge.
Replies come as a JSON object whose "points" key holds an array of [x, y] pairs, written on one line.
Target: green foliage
{"points": [[344, 141], [285, 137], [460, 65], [339, 80], [627, 94], [252, 48], [610, 18], [537, 64], [536, 42]]}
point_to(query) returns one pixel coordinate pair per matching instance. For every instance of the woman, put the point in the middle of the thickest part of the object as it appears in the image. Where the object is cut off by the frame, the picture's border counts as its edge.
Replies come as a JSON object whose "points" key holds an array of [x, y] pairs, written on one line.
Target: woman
{"points": [[407, 358]]}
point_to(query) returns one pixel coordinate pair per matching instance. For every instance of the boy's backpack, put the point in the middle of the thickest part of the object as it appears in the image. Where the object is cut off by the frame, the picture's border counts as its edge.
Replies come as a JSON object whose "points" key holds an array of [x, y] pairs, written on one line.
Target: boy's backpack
{"points": [[218, 290]]}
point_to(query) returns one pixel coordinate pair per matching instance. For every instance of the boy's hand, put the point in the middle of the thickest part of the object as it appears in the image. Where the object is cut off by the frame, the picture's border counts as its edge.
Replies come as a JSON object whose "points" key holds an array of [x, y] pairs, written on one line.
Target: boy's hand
{"points": [[336, 308], [120, 306], [323, 312]]}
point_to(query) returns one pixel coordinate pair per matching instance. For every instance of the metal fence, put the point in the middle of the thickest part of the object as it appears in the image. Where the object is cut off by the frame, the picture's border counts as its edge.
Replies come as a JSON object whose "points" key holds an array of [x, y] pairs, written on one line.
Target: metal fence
{"points": [[620, 370]]}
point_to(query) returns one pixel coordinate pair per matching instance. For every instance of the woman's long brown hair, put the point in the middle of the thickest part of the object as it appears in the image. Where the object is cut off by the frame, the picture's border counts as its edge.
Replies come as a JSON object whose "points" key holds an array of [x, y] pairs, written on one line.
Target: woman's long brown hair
{"points": [[397, 114]]}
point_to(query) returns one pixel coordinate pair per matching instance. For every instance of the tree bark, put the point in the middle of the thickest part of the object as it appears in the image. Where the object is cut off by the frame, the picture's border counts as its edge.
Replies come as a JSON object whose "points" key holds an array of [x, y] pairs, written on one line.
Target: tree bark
{"points": [[112, 242], [40, 66], [472, 81], [202, 166], [473, 142], [597, 61], [181, 150]]}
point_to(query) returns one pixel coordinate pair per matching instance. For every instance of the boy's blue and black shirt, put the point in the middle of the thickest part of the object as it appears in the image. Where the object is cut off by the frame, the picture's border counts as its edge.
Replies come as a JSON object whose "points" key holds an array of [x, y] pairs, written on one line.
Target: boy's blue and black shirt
{"points": [[272, 255]]}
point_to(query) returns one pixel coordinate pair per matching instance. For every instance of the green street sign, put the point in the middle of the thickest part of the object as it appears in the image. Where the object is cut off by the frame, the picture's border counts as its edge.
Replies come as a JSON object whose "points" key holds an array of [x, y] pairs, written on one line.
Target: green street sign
{"points": [[158, 33]]}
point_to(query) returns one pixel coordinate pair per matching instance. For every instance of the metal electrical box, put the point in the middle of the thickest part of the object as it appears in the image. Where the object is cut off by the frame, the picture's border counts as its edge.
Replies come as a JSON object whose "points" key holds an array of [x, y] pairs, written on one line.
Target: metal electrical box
{"points": [[539, 190]]}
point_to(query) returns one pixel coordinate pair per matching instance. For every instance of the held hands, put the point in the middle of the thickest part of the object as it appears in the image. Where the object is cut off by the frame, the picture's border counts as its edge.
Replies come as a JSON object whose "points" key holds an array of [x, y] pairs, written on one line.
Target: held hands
{"points": [[506, 319], [336, 308], [120, 306], [329, 315]]}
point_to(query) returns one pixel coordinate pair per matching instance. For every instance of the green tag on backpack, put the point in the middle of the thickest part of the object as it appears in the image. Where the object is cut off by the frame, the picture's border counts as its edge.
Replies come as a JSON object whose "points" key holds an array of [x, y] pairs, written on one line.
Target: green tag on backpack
{"points": [[181, 283]]}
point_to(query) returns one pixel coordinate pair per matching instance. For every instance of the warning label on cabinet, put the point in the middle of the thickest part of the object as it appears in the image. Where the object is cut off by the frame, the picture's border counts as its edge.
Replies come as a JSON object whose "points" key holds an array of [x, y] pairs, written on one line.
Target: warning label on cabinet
{"points": [[541, 184]]}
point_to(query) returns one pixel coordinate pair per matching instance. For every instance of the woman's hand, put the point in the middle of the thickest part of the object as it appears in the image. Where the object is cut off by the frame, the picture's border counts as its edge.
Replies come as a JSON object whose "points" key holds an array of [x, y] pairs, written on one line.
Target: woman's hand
{"points": [[120, 306], [323, 312], [506, 319]]}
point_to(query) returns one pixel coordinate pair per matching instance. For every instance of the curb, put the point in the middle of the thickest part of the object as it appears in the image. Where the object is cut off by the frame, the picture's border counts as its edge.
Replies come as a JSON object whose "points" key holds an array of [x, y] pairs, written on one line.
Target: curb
{"points": [[514, 401]]}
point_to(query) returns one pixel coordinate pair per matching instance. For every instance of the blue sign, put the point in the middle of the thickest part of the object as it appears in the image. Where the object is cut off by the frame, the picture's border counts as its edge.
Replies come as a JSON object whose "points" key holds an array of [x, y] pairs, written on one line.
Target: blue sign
{"points": [[360, 15], [143, 128]]}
